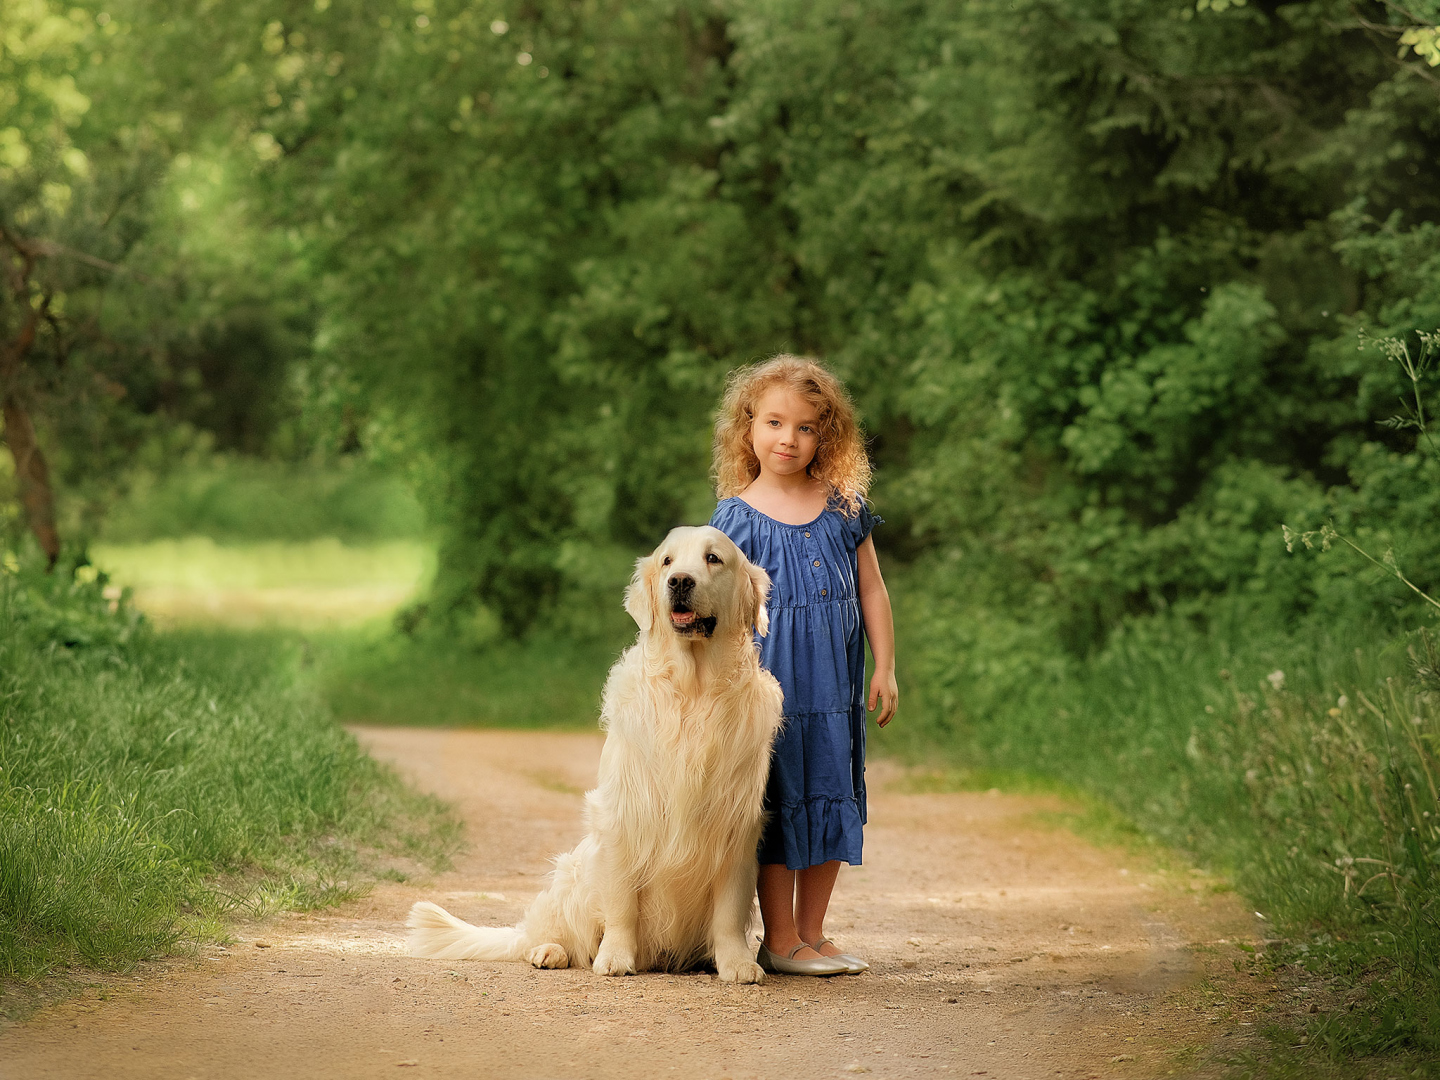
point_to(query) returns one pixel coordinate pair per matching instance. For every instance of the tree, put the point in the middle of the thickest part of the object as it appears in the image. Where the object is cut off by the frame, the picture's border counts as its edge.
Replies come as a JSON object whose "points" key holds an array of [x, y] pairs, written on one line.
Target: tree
{"points": [[1093, 267], [40, 166], [135, 295]]}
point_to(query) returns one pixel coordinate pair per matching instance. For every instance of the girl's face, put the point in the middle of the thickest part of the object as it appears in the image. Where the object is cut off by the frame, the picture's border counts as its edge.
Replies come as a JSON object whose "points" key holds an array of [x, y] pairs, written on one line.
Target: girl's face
{"points": [[785, 432]]}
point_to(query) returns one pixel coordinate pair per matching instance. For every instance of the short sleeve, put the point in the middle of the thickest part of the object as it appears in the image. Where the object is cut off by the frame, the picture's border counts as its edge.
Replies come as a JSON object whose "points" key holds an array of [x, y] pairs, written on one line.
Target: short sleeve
{"points": [[863, 523], [734, 523]]}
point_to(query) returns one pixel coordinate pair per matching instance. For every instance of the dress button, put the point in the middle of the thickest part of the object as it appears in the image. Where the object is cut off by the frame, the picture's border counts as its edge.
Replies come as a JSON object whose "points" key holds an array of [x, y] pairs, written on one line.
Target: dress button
{"points": [[824, 592], [817, 562], [807, 535]]}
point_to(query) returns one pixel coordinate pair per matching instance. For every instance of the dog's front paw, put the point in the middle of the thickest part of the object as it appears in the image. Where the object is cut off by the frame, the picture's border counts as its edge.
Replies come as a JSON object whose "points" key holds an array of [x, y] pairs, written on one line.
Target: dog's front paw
{"points": [[740, 971], [549, 955], [613, 962]]}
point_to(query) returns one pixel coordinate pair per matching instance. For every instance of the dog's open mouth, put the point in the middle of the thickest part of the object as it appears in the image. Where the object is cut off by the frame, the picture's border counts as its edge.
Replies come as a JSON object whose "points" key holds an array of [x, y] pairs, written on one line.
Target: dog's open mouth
{"points": [[685, 620]]}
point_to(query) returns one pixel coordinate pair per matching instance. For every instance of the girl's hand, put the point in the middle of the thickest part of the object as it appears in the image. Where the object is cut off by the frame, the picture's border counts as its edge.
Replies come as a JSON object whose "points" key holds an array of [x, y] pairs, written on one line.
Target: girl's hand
{"points": [[883, 690]]}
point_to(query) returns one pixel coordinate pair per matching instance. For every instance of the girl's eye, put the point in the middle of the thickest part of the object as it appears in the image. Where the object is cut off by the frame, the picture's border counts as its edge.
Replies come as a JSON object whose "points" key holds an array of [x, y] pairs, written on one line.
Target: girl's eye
{"points": [[773, 423], [665, 561], [713, 559]]}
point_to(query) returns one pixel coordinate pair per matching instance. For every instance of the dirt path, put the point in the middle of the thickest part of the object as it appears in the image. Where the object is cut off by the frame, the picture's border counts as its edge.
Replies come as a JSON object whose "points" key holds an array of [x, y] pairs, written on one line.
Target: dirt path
{"points": [[1000, 947]]}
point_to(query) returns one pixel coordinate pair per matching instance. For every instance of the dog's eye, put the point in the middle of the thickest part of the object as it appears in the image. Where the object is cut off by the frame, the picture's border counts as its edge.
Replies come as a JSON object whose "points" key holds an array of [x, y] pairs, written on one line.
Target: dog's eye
{"points": [[666, 561], [714, 559]]}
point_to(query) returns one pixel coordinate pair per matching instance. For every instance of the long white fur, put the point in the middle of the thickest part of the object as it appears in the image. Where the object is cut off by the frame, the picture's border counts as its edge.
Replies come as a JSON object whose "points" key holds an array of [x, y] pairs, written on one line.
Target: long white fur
{"points": [[665, 876]]}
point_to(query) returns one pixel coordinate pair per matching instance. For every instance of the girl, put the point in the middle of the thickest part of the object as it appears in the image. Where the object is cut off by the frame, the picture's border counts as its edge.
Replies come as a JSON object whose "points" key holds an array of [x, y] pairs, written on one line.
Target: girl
{"points": [[791, 475]]}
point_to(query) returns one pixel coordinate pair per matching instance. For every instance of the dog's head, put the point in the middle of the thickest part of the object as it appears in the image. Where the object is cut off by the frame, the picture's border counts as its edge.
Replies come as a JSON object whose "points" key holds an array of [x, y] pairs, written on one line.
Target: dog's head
{"points": [[698, 583]]}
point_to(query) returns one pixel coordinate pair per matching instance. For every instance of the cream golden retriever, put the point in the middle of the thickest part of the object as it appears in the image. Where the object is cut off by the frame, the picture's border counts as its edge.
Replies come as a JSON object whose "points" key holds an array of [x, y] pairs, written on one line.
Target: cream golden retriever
{"points": [[665, 874]]}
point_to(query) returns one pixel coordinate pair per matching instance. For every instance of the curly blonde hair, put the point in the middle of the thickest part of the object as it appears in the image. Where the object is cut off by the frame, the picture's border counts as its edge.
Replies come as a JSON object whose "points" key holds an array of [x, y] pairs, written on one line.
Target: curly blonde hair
{"points": [[840, 459]]}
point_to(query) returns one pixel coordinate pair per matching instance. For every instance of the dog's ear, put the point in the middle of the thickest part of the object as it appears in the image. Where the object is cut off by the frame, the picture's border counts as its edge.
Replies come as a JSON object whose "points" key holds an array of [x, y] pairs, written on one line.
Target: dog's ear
{"points": [[640, 596], [759, 591]]}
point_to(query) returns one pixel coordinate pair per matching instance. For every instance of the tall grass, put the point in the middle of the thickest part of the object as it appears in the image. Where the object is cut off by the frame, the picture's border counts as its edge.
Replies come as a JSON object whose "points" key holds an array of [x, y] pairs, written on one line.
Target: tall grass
{"points": [[1302, 762], [150, 784]]}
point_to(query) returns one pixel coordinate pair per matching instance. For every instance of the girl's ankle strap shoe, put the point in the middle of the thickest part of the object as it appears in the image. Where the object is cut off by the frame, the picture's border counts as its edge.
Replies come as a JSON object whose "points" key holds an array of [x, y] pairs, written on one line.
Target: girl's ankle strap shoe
{"points": [[788, 965]]}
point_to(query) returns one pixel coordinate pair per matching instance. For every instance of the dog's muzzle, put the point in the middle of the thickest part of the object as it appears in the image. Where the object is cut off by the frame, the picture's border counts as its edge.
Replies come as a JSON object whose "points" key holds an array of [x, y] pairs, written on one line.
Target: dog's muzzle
{"points": [[684, 619]]}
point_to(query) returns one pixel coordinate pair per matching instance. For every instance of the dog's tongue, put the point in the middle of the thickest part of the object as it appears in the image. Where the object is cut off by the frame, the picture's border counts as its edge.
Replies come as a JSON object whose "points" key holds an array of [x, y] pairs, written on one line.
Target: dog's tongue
{"points": [[682, 618]]}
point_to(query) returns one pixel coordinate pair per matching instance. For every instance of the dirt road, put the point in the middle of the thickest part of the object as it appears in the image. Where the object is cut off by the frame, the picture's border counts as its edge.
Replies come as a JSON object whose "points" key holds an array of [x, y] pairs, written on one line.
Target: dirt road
{"points": [[1000, 947]]}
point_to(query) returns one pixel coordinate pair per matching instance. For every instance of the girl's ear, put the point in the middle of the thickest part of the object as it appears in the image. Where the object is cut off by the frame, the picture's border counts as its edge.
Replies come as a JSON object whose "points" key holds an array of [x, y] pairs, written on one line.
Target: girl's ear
{"points": [[640, 596], [759, 592]]}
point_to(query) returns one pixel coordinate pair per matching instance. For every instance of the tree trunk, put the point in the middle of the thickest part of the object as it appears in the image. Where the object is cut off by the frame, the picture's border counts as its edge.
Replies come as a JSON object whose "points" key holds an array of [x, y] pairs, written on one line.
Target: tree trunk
{"points": [[33, 476], [31, 472]]}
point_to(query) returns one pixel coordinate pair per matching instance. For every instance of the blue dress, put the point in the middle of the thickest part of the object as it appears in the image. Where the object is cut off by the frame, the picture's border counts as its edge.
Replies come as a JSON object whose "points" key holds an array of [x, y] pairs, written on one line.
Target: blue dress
{"points": [[815, 800]]}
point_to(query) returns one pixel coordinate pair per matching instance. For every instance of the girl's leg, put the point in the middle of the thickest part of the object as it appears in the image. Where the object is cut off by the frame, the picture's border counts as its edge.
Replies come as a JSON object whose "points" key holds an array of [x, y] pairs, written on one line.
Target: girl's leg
{"points": [[813, 886], [776, 888]]}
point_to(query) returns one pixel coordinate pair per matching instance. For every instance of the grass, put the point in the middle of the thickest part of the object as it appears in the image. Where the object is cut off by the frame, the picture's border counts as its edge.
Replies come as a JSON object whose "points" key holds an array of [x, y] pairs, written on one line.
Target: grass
{"points": [[151, 785], [154, 783], [1301, 764], [327, 606], [1278, 759], [314, 583], [386, 678]]}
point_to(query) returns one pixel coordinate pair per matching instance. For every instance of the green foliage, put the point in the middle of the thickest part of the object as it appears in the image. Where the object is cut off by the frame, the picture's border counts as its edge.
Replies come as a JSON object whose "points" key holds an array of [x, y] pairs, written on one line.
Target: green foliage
{"points": [[1096, 271], [149, 785], [234, 499], [70, 611], [42, 156], [1093, 270], [137, 295]]}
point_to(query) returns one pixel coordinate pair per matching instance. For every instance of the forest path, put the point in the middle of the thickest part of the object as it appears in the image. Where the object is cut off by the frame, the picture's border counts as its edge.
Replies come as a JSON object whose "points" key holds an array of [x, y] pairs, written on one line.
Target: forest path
{"points": [[1000, 946]]}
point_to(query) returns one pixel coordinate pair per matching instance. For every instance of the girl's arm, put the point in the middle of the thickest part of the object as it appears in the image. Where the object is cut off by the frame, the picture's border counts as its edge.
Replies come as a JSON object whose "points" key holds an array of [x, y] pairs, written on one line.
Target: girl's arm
{"points": [[880, 629]]}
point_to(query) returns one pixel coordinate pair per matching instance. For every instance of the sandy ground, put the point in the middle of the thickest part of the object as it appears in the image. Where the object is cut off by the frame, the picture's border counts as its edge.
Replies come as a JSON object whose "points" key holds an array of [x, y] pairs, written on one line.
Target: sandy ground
{"points": [[1001, 946]]}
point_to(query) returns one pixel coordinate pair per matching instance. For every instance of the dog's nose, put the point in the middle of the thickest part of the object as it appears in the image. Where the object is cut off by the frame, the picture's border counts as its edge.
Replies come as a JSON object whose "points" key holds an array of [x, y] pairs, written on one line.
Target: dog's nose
{"points": [[681, 583]]}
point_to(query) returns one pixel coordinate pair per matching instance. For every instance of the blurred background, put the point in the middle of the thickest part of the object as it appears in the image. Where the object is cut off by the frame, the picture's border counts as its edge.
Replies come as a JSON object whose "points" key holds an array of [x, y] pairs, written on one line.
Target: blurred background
{"points": [[356, 348]]}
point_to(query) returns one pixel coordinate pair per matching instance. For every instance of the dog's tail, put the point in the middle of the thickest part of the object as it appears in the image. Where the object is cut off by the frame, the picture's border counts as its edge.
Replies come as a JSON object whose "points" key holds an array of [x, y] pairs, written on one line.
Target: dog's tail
{"points": [[437, 935]]}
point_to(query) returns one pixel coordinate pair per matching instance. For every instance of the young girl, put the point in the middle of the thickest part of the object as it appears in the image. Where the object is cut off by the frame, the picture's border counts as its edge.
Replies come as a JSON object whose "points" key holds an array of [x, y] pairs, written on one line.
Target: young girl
{"points": [[791, 475]]}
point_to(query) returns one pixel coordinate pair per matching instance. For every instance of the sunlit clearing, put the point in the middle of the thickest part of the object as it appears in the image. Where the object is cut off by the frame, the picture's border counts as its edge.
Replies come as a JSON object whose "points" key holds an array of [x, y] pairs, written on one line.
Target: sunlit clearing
{"points": [[305, 584]]}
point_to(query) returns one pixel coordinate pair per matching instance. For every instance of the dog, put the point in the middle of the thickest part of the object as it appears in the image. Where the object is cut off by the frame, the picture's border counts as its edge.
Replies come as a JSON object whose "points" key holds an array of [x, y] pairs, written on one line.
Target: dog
{"points": [[665, 876]]}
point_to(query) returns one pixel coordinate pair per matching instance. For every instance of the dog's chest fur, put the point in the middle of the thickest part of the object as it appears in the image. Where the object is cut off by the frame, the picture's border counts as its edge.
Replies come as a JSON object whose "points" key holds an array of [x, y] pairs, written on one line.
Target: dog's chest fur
{"points": [[685, 774]]}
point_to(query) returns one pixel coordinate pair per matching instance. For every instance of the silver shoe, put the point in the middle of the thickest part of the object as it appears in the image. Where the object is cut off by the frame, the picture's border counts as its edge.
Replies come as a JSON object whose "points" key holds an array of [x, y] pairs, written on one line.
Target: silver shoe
{"points": [[788, 965], [853, 964]]}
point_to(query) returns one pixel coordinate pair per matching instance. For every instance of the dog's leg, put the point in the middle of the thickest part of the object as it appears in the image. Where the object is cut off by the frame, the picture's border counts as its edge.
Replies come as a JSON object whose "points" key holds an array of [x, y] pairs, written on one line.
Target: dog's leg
{"points": [[620, 902], [730, 920]]}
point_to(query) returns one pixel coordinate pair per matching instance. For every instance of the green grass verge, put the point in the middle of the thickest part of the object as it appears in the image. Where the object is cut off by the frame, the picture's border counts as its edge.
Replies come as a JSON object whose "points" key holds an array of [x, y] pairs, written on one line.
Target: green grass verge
{"points": [[152, 784], [377, 676], [1303, 764], [326, 606]]}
